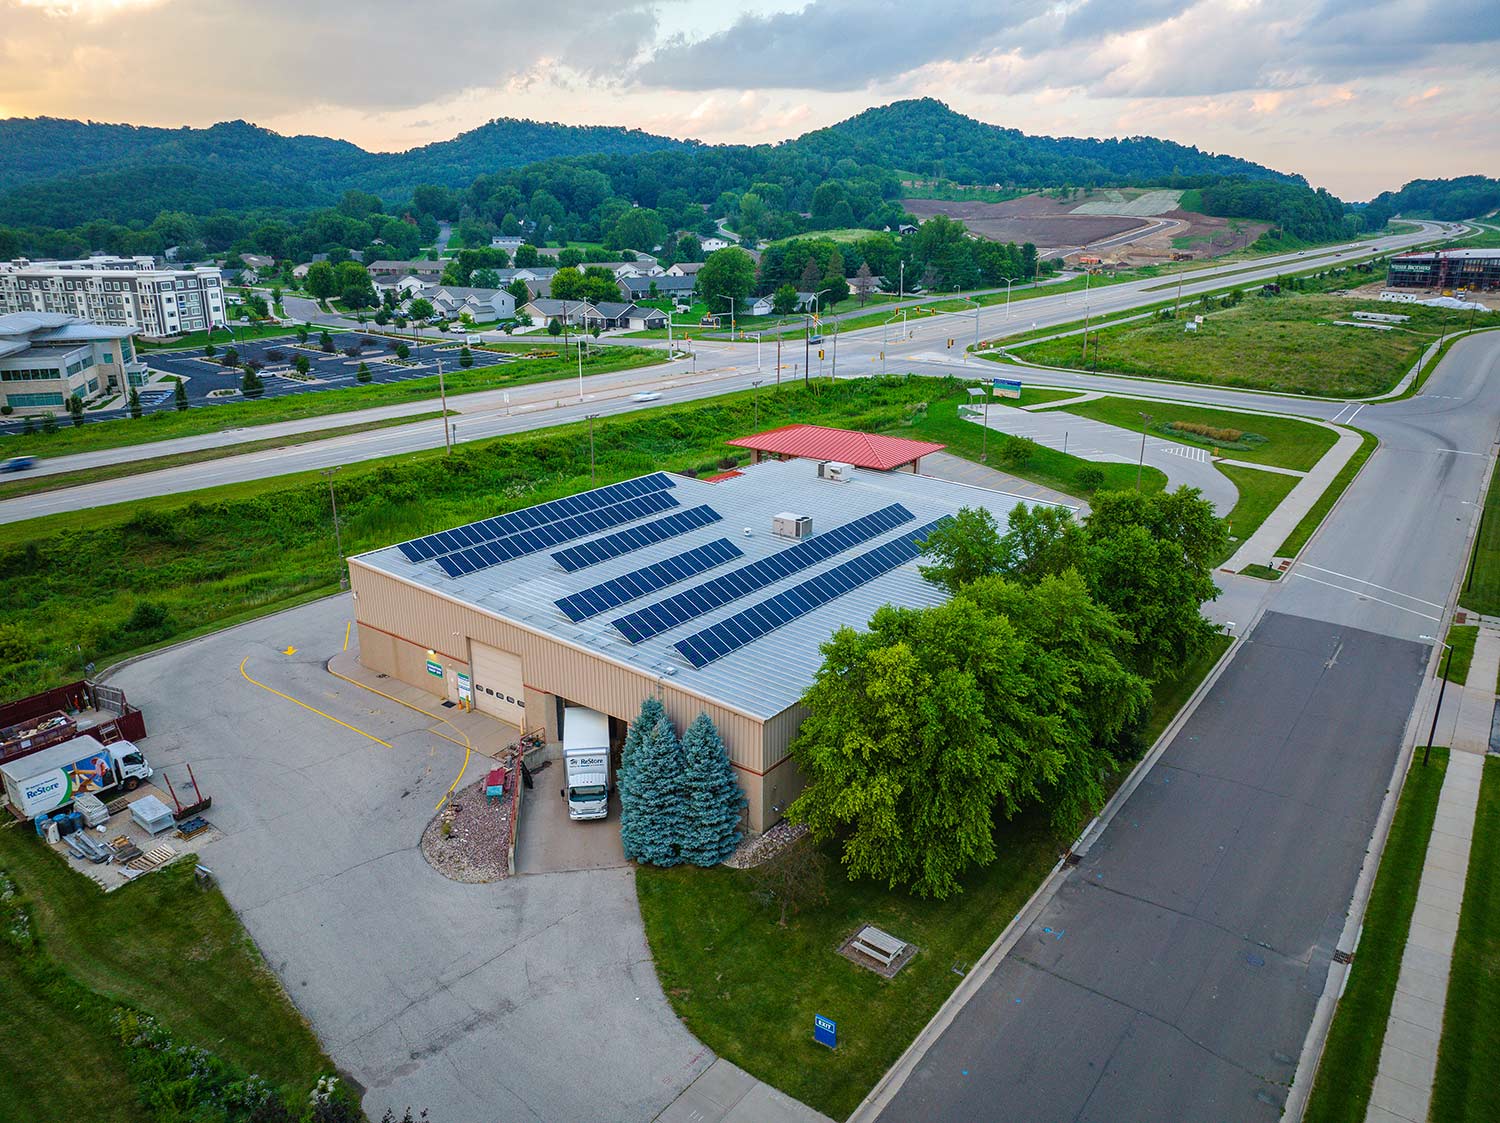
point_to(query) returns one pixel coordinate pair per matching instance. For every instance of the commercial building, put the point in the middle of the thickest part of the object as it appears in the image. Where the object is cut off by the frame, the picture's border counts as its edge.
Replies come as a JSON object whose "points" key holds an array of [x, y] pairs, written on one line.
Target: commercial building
{"points": [[713, 596], [1476, 270], [46, 358], [119, 292]]}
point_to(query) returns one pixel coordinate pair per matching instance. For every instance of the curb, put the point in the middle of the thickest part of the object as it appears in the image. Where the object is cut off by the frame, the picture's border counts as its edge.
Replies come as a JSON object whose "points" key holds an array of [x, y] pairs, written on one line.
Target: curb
{"points": [[895, 1077]]}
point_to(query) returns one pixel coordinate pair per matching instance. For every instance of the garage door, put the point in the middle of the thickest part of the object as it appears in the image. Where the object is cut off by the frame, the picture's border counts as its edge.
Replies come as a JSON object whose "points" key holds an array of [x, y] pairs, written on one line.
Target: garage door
{"points": [[497, 683]]}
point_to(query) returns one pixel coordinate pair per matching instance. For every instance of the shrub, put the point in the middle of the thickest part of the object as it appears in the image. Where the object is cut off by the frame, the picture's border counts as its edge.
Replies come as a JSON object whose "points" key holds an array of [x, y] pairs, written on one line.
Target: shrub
{"points": [[1018, 451], [1088, 478]]}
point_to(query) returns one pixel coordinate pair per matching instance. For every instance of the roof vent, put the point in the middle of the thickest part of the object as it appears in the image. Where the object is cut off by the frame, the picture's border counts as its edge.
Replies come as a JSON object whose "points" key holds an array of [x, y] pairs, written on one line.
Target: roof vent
{"points": [[789, 525], [836, 471]]}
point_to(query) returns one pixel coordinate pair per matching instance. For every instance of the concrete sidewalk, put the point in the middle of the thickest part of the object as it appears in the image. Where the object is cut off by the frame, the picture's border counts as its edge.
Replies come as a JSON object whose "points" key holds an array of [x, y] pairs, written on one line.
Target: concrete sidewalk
{"points": [[1262, 546], [726, 1093], [1408, 1056]]}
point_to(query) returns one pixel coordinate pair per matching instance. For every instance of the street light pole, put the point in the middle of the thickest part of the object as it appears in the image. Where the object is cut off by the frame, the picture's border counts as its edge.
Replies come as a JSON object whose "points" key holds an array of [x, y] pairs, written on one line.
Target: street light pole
{"points": [[333, 502], [1141, 463], [443, 395], [755, 397], [1442, 686], [593, 476]]}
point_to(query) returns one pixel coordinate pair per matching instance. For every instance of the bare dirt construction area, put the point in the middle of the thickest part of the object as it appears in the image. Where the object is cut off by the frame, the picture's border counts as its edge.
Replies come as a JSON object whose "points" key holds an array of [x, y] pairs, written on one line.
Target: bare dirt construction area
{"points": [[1045, 223], [1199, 235]]}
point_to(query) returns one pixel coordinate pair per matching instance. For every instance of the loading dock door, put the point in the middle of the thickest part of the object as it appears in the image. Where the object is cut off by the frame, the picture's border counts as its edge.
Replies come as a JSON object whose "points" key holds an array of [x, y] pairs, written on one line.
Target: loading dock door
{"points": [[497, 683]]}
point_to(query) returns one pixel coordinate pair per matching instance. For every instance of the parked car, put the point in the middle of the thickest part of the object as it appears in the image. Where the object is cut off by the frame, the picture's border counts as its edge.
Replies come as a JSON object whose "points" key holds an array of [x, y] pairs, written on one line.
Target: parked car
{"points": [[17, 464], [645, 396]]}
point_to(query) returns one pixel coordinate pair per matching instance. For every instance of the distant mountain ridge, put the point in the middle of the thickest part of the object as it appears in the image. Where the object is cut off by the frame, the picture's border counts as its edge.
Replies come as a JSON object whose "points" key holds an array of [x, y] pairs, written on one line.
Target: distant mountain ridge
{"points": [[60, 172]]}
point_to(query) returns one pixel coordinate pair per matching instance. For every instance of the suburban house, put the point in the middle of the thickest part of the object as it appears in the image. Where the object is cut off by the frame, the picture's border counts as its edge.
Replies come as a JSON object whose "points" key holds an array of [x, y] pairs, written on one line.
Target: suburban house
{"points": [[257, 261], [711, 244], [685, 269], [510, 243], [640, 288], [454, 301], [606, 315], [762, 304], [389, 270], [574, 313]]}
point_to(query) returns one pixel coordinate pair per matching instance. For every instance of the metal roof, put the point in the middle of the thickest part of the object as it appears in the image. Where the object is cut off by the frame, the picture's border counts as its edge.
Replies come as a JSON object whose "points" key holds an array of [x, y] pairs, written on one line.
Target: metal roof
{"points": [[763, 677], [819, 442]]}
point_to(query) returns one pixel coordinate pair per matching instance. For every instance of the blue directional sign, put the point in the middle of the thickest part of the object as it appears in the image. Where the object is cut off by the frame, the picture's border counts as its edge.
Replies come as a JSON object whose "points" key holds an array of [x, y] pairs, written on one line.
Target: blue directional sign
{"points": [[825, 1031], [1007, 387]]}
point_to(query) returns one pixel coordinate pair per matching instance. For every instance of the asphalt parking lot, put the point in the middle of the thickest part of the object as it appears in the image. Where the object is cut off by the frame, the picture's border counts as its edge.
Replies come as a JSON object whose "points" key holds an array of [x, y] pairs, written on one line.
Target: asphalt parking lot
{"points": [[473, 1001]]}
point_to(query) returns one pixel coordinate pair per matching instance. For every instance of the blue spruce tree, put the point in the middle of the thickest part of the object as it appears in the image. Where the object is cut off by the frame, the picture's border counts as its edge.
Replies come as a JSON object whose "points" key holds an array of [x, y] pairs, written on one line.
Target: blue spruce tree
{"points": [[658, 799], [632, 795], [714, 801]]}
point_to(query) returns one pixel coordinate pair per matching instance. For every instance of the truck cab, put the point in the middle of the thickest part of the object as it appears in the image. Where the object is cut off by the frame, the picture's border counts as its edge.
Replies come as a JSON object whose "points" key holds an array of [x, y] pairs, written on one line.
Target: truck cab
{"points": [[586, 763]]}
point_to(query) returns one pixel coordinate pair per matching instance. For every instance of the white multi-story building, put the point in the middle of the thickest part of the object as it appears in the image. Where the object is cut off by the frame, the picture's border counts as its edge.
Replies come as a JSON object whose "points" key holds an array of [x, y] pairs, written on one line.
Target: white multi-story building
{"points": [[48, 357], [122, 292]]}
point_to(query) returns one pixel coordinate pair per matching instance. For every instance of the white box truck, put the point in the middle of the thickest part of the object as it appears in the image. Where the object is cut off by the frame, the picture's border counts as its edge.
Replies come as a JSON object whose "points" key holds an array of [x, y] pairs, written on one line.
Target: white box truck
{"points": [[586, 762], [51, 779]]}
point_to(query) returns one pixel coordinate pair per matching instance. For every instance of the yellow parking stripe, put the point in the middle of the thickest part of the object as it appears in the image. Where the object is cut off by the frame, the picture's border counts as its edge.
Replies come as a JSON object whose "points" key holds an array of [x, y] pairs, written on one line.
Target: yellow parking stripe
{"points": [[305, 706]]}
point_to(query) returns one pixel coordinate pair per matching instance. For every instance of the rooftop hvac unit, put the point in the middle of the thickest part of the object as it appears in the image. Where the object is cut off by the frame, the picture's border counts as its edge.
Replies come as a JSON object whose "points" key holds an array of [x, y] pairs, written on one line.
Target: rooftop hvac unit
{"points": [[788, 525], [833, 470]]}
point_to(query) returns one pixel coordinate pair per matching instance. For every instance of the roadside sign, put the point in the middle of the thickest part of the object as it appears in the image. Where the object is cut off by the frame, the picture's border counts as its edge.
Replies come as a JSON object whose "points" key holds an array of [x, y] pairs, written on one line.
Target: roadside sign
{"points": [[1007, 387], [1190, 326], [825, 1031], [465, 689], [434, 669]]}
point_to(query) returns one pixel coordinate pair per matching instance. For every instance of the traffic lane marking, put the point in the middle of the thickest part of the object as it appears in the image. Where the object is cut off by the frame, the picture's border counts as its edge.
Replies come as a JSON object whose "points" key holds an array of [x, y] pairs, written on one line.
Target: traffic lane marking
{"points": [[305, 706], [1367, 596], [1383, 588]]}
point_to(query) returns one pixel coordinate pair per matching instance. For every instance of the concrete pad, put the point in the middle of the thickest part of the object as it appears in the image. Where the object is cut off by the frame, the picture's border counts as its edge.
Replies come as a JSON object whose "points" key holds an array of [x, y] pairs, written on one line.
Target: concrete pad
{"points": [[549, 842], [1420, 984], [1431, 938], [1449, 844], [1438, 919], [764, 1104], [1451, 822], [1410, 1038], [1411, 1069], [1419, 1011], [1446, 862], [1443, 880], [1446, 900], [1426, 961], [1401, 1099]]}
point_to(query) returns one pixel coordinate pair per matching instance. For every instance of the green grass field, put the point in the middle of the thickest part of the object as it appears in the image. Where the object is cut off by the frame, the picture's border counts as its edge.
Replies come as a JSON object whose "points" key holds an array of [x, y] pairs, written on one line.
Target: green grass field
{"points": [[1260, 494], [1289, 443], [1465, 1090], [1481, 590], [194, 341], [1341, 1092], [160, 945], [165, 424], [1286, 344], [748, 989]]}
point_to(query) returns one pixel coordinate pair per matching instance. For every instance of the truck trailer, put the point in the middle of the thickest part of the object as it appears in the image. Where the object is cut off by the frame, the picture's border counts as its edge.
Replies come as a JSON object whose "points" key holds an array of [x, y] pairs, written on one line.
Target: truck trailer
{"points": [[51, 779], [586, 762]]}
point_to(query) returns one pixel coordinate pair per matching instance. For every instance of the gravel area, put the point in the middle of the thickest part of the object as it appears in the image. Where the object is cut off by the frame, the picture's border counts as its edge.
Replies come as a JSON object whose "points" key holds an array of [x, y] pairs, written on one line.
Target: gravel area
{"points": [[763, 847], [469, 839]]}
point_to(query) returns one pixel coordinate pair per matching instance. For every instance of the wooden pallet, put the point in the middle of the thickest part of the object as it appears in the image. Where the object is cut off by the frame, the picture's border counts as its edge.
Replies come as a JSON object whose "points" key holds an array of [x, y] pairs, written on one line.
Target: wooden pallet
{"points": [[152, 858]]}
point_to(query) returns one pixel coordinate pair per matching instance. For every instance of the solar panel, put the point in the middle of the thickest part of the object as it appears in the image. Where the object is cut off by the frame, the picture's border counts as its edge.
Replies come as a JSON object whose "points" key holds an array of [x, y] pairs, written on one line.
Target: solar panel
{"points": [[552, 534], [702, 648], [528, 518], [602, 597], [691, 603], [622, 542]]}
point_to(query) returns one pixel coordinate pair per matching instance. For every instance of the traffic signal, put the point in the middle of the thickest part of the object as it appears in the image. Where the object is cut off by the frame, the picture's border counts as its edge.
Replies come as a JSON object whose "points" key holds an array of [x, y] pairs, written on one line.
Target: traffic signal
{"points": [[820, 353], [950, 344]]}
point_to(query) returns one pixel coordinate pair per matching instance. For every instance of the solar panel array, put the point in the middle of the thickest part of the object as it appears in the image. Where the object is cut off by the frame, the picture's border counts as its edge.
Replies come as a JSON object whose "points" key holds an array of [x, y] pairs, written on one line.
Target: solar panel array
{"points": [[586, 554], [702, 648], [529, 518], [551, 534], [664, 615], [604, 596]]}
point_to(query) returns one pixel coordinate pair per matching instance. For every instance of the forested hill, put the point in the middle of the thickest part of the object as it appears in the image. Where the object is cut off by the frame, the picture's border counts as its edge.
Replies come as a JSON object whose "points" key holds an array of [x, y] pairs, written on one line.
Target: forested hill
{"points": [[61, 173], [1468, 196], [927, 137]]}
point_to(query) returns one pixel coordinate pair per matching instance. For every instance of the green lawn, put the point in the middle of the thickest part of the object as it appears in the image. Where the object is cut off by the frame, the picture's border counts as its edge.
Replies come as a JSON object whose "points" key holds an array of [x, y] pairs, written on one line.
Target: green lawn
{"points": [[1033, 396], [748, 989], [1481, 591], [1049, 467], [1289, 443], [195, 341], [1461, 638], [160, 945], [1264, 572], [1465, 1090], [1346, 1073], [165, 424], [1287, 344], [1319, 510], [1260, 494]]}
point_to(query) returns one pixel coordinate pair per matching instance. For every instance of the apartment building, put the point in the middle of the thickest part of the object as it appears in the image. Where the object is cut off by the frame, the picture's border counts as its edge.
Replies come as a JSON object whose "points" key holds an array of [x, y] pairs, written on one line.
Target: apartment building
{"points": [[119, 292], [48, 357]]}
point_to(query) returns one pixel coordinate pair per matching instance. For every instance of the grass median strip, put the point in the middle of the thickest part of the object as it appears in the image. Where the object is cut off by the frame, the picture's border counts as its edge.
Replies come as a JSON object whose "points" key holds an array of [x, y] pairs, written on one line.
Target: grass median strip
{"points": [[1481, 590], [1310, 522], [1465, 1089], [748, 988], [1461, 638], [161, 945], [1260, 494], [1351, 1057], [33, 485]]}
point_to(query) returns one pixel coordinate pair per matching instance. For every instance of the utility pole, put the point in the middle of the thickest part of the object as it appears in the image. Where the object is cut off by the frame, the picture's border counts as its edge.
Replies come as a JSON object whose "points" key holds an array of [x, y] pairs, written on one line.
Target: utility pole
{"points": [[338, 537], [593, 476], [1140, 464], [1442, 685], [443, 395], [1176, 308], [778, 358]]}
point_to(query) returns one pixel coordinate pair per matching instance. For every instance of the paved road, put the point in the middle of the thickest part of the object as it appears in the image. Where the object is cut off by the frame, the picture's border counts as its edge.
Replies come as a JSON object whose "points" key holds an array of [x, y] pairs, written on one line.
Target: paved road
{"points": [[532, 999], [714, 368], [1175, 973]]}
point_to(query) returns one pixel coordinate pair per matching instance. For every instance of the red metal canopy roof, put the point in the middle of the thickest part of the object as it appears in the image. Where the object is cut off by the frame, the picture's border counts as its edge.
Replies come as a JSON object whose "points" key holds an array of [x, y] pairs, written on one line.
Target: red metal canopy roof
{"points": [[818, 442]]}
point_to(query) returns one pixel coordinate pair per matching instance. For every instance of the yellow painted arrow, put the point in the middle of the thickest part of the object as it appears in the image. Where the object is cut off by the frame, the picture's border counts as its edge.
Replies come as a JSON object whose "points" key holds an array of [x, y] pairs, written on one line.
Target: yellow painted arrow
{"points": [[290, 651]]}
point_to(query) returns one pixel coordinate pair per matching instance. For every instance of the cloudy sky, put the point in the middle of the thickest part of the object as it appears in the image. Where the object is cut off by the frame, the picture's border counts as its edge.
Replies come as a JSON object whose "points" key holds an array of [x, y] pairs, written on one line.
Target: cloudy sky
{"points": [[1357, 95]]}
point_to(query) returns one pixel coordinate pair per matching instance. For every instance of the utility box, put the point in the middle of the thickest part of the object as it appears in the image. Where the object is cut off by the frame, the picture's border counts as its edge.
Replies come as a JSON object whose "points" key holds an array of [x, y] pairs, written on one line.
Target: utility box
{"points": [[789, 525], [836, 471]]}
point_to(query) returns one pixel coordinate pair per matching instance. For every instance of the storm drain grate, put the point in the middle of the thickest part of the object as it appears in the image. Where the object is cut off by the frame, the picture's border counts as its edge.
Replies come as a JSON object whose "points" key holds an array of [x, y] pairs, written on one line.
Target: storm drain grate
{"points": [[1343, 957]]}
